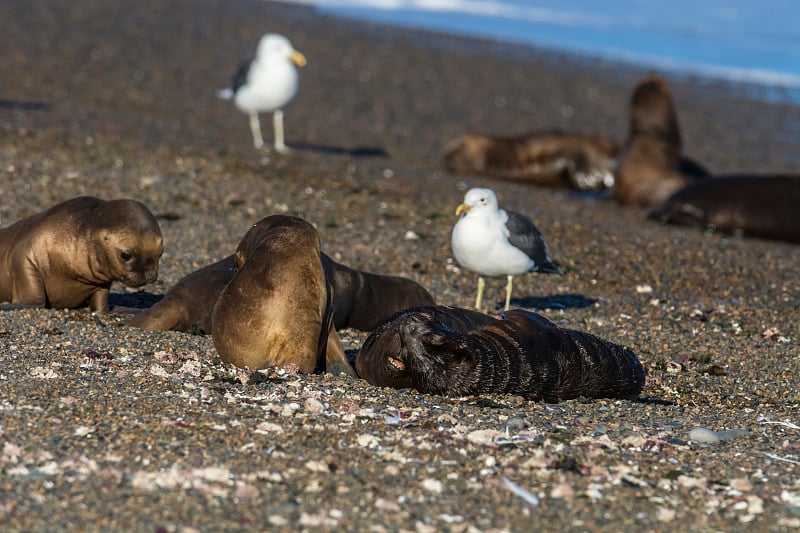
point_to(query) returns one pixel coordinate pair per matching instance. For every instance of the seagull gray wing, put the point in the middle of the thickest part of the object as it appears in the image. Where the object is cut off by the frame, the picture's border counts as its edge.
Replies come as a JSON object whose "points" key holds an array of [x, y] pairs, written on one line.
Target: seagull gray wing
{"points": [[523, 234], [239, 76]]}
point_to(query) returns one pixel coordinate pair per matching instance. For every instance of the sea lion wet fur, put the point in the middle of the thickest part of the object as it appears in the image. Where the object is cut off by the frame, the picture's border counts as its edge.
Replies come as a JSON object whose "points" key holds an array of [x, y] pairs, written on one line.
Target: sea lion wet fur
{"points": [[457, 352], [277, 309], [650, 166], [361, 300], [757, 206], [548, 158], [71, 253]]}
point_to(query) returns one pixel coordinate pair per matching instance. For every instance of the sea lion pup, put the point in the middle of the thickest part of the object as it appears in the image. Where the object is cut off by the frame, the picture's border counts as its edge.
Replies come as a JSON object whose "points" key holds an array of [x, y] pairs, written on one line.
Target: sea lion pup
{"points": [[189, 304], [550, 158], [71, 253], [650, 166], [756, 206], [458, 352], [361, 300], [277, 309]]}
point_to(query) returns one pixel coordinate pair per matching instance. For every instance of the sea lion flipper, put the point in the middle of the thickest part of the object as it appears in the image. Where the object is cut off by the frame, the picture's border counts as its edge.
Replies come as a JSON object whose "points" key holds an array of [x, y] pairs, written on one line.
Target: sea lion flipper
{"points": [[335, 359], [98, 301], [27, 286], [163, 316]]}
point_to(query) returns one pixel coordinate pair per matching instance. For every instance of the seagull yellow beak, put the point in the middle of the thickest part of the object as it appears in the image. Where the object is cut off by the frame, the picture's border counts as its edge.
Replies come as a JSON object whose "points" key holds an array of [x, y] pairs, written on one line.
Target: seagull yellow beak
{"points": [[297, 58], [462, 208]]}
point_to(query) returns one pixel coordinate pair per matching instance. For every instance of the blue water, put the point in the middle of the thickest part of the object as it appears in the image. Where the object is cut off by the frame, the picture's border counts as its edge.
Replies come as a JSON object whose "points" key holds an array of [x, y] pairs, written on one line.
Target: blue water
{"points": [[750, 41]]}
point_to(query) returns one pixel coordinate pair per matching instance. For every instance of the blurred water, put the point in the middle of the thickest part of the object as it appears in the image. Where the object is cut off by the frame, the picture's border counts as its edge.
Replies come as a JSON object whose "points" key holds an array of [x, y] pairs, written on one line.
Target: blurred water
{"points": [[746, 41]]}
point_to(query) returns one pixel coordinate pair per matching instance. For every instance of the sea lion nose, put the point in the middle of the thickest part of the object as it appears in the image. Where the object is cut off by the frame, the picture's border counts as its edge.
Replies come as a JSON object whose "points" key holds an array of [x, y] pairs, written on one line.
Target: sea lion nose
{"points": [[151, 275]]}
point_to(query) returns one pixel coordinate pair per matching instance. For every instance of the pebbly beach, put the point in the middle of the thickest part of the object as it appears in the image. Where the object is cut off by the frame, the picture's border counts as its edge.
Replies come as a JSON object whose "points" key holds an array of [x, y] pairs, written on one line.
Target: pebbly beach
{"points": [[106, 427]]}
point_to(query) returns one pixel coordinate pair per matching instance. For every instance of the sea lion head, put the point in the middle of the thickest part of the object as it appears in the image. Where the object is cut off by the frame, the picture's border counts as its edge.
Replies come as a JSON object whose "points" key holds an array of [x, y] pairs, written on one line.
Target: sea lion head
{"points": [[467, 154], [129, 242], [413, 350], [276, 232], [653, 112]]}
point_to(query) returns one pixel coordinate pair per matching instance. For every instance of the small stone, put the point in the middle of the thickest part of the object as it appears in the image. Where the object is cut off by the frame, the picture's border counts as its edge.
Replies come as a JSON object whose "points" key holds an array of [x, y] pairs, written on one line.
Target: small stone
{"points": [[432, 485], [704, 435]]}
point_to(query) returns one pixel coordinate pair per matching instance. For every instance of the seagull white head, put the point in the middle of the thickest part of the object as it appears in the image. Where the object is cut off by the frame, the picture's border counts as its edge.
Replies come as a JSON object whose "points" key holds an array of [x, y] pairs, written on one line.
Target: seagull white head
{"points": [[275, 47], [478, 200]]}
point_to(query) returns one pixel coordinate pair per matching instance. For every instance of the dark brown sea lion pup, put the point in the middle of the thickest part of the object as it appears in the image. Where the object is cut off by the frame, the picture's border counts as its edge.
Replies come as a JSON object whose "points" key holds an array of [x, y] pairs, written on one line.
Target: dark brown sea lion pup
{"points": [[458, 352], [650, 166], [278, 308], [361, 300], [757, 206], [71, 253], [550, 158]]}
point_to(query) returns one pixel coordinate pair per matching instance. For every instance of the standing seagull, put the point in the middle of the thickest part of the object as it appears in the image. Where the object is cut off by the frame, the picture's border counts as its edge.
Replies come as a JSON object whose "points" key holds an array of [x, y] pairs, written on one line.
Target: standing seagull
{"points": [[266, 84], [495, 242]]}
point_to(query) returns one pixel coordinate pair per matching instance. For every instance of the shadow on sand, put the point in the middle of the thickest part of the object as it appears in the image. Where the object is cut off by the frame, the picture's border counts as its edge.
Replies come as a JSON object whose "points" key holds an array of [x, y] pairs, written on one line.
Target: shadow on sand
{"points": [[358, 151], [559, 301], [23, 105]]}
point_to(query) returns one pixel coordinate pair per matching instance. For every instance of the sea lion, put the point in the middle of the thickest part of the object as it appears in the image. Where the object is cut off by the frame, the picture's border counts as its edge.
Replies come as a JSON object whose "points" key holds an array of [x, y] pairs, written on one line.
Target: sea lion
{"points": [[458, 352], [71, 253], [189, 304], [277, 310], [757, 206], [650, 166], [547, 158], [361, 300]]}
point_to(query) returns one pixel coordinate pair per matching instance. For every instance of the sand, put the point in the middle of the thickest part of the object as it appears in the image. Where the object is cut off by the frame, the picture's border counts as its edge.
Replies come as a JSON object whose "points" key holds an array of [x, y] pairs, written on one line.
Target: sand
{"points": [[109, 428]]}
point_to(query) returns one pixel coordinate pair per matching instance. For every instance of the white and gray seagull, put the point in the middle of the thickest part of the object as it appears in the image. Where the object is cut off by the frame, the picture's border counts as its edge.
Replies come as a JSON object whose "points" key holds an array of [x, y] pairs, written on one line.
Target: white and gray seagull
{"points": [[493, 242], [266, 84]]}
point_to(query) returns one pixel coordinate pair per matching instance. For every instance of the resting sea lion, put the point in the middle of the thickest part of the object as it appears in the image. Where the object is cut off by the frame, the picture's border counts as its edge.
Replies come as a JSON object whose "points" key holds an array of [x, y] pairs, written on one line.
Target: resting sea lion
{"points": [[277, 309], [361, 300], [757, 206], [457, 352], [189, 304], [552, 158], [650, 166], [72, 252]]}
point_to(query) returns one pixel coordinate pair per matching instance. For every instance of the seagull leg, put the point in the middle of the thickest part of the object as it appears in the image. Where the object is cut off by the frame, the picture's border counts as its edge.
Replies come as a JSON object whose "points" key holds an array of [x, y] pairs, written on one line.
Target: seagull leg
{"points": [[479, 297], [255, 128], [508, 292], [277, 124]]}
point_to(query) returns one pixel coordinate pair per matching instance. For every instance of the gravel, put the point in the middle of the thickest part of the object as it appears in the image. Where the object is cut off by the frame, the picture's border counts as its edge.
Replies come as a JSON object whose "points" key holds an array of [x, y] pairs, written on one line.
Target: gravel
{"points": [[106, 427]]}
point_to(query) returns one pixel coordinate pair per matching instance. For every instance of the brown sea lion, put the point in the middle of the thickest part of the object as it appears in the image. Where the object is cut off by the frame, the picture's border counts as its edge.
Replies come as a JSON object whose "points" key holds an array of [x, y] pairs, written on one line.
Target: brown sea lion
{"points": [[71, 253], [549, 158], [458, 352], [361, 300], [277, 310], [757, 206], [189, 304], [650, 166]]}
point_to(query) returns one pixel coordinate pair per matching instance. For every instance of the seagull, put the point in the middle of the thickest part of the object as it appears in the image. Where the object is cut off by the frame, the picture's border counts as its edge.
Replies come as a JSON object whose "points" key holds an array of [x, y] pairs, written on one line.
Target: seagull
{"points": [[494, 242], [266, 84]]}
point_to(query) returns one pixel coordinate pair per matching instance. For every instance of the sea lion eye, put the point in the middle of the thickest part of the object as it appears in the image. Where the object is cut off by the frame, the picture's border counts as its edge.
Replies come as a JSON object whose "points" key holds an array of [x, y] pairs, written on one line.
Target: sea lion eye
{"points": [[125, 256], [396, 363]]}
